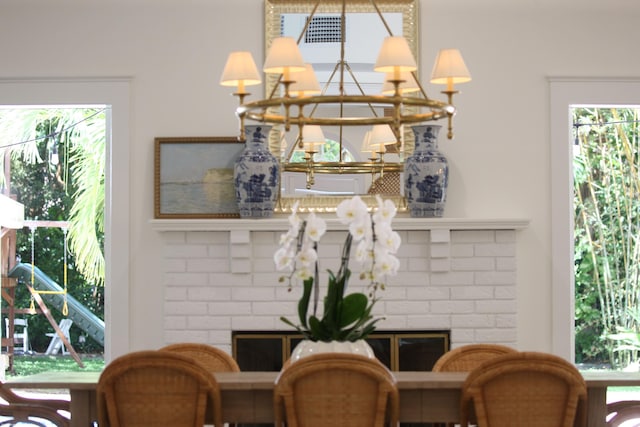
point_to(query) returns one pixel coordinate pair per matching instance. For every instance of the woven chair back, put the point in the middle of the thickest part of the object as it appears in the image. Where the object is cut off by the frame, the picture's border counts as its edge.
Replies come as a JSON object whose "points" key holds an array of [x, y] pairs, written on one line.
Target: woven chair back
{"points": [[525, 389], [16, 409], [337, 390], [213, 358], [157, 388], [468, 357], [622, 412]]}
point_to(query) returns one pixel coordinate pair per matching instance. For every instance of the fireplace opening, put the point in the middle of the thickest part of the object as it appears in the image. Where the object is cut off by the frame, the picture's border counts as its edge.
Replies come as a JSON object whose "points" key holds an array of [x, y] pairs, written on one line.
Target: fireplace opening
{"points": [[398, 350]]}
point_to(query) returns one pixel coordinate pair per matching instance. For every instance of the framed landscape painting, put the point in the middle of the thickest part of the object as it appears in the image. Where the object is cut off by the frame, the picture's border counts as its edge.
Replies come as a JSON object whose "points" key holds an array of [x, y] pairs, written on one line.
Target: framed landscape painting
{"points": [[193, 177]]}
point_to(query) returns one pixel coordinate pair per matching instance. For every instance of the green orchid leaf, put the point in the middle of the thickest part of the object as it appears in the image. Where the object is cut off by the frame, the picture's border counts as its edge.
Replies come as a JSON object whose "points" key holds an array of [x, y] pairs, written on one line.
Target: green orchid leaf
{"points": [[353, 307], [303, 304]]}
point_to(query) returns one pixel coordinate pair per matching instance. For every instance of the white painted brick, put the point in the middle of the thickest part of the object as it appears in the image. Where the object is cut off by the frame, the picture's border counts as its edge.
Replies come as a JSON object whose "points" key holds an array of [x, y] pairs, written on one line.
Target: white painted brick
{"points": [[428, 293], [209, 293], [505, 292], [267, 278], [185, 336], [460, 336], [472, 293], [209, 323], [440, 236], [505, 236], [440, 265], [258, 323], [185, 279], [185, 251], [240, 265], [218, 338], [429, 321], [209, 238], [495, 249], [413, 250], [174, 308], [407, 307], [495, 278], [462, 250], [506, 264], [504, 306], [272, 308], [452, 279], [263, 265], [253, 294], [502, 336], [172, 265], [506, 321], [440, 250], [199, 265], [393, 291], [473, 264], [473, 321], [392, 322], [452, 307], [229, 279], [174, 237], [472, 236], [172, 293], [417, 264], [420, 237], [228, 308], [175, 323], [240, 251], [239, 237], [266, 237]]}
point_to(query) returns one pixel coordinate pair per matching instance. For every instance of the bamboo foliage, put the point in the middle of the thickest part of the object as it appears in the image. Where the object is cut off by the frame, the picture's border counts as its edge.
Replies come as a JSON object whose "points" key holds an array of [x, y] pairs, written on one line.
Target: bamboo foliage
{"points": [[607, 230]]}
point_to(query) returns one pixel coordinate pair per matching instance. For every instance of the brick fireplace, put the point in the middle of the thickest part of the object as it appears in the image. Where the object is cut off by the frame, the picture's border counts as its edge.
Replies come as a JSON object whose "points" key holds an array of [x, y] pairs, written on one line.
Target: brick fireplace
{"points": [[456, 275]]}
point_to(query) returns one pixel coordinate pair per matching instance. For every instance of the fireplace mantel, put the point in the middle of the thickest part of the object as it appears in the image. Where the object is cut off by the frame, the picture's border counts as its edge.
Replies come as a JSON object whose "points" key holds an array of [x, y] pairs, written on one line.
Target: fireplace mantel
{"points": [[281, 223]]}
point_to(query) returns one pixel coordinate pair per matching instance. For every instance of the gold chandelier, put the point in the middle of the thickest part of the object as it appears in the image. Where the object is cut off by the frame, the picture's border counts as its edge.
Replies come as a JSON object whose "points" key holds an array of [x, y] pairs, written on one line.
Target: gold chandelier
{"points": [[297, 99]]}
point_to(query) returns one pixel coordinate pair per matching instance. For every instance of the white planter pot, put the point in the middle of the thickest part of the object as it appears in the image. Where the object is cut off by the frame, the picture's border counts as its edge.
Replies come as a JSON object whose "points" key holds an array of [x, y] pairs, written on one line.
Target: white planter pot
{"points": [[307, 348]]}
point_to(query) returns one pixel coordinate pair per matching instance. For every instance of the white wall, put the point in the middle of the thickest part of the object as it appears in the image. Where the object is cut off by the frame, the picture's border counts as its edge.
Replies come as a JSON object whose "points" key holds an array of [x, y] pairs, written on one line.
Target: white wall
{"points": [[174, 52]]}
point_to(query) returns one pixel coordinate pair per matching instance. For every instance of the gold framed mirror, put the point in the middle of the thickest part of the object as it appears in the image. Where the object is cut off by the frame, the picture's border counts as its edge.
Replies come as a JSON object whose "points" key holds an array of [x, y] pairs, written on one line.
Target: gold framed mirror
{"points": [[373, 23]]}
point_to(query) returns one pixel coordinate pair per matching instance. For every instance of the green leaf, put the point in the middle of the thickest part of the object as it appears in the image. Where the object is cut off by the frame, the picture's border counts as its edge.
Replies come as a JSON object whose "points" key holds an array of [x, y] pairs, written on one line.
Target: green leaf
{"points": [[353, 308], [303, 304]]}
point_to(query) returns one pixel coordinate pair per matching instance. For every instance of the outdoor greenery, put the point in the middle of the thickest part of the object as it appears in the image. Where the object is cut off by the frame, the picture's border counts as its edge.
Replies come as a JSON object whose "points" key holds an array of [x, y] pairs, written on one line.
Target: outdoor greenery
{"points": [[607, 233], [29, 365], [57, 173]]}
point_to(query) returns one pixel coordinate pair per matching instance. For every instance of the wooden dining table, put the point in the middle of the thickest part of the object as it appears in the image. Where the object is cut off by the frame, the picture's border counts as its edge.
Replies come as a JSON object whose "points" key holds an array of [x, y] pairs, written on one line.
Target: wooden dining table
{"points": [[247, 397]]}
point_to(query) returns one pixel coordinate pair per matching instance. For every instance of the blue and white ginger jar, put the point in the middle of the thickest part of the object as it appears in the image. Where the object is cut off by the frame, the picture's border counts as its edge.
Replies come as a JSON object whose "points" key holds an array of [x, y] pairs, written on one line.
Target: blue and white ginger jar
{"points": [[256, 175], [426, 174]]}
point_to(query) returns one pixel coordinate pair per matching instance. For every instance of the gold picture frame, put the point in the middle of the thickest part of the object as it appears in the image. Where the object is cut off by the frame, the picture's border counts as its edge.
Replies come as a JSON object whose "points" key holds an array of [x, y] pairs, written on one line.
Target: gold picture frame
{"points": [[193, 177]]}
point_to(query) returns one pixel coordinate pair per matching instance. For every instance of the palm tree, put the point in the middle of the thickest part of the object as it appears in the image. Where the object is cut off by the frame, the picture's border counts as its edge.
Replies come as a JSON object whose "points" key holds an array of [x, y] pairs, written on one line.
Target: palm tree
{"points": [[77, 135]]}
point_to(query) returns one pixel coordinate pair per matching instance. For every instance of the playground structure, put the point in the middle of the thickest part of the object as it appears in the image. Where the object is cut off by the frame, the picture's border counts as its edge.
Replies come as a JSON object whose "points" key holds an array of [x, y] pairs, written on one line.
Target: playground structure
{"points": [[44, 291]]}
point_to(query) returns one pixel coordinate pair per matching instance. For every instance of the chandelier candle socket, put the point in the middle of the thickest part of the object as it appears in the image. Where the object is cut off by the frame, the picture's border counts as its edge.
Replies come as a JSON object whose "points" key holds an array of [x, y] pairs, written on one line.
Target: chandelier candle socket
{"points": [[345, 317]]}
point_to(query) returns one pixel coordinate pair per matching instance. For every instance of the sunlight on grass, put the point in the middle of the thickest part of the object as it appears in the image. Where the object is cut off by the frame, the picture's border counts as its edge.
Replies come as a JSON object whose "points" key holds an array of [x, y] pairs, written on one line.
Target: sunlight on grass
{"points": [[33, 364]]}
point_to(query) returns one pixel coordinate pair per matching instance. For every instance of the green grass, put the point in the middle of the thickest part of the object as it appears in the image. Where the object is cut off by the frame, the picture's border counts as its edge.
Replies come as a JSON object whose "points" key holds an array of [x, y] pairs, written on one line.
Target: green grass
{"points": [[33, 364]]}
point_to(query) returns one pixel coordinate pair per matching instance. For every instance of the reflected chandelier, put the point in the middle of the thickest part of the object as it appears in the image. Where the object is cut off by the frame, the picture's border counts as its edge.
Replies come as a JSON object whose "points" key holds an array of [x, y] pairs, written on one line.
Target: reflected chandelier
{"points": [[301, 101]]}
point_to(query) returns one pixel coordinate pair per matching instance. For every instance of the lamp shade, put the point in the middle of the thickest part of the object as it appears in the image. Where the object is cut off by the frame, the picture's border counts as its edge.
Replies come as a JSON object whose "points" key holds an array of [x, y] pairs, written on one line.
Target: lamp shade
{"points": [[408, 84], [382, 134], [395, 56], [306, 83], [283, 57], [240, 70], [450, 68]]}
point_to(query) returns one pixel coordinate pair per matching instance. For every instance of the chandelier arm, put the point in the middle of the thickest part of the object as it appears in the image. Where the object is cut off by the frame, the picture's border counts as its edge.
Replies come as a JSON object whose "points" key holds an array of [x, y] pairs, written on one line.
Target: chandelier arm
{"points": [[384, 21], [344, 167]]}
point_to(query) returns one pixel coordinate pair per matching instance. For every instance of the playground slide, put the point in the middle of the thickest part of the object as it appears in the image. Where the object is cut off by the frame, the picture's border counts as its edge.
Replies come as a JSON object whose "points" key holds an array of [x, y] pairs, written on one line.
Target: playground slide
{"points": [[82, 317]]}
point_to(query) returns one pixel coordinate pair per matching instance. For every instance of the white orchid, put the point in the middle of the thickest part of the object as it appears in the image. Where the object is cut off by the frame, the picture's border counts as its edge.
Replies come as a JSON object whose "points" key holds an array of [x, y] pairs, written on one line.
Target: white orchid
{"points": [[376, 246]]}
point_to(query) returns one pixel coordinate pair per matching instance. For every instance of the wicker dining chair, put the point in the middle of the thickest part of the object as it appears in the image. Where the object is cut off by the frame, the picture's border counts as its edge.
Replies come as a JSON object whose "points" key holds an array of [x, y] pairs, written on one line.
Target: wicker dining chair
{"points": [[338, 390], [468, 357], [213, 358], [621, 412], [157, 388], [34, 411], [525, 389]]}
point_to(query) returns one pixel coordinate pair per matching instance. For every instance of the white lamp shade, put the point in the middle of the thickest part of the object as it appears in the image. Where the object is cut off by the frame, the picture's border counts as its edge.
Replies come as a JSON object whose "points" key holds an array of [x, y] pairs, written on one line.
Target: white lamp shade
{"points": [[407, 86], [240, 69], [366, 142], [283, 57], [312, 134], [306, 83], [450, 68], [382, 134], [395, 56]]}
